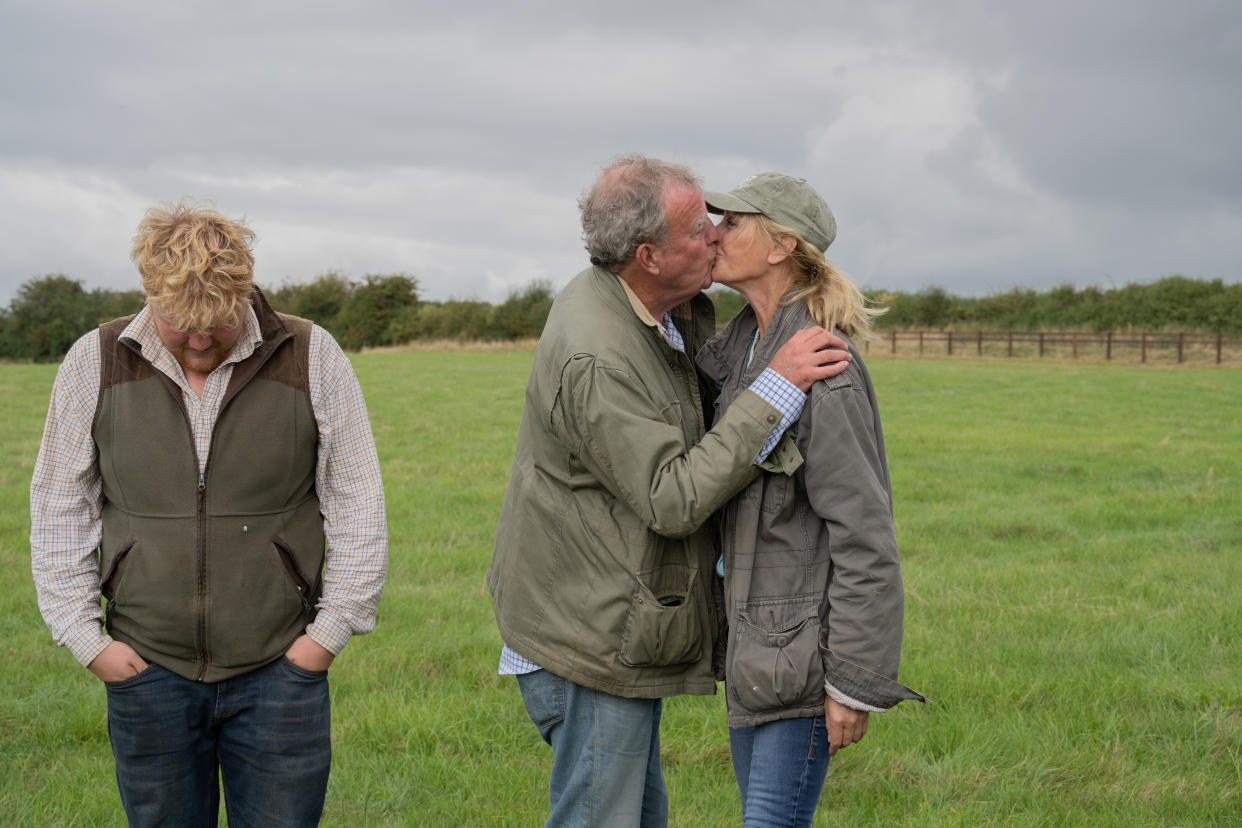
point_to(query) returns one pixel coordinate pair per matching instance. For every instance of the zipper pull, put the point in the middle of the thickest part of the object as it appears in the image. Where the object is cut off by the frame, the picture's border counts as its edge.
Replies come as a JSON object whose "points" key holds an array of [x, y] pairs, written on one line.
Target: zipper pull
{"points": [[202, 483]]}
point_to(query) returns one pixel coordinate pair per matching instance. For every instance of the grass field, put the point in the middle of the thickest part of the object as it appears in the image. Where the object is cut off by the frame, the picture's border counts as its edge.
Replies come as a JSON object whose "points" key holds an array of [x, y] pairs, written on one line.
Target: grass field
{"points": [[1072, 544]]}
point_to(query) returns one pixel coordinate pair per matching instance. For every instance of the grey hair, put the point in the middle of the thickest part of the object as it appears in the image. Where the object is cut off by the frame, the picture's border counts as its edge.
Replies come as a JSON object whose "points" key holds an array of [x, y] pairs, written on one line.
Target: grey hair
{"points": [[625, 207]]}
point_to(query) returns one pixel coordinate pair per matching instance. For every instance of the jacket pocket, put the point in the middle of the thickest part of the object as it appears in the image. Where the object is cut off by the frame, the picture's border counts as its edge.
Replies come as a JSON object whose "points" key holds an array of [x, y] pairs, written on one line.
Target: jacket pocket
{"points": [[112, 579], [664, 627], [774, 653], [303, 586]]}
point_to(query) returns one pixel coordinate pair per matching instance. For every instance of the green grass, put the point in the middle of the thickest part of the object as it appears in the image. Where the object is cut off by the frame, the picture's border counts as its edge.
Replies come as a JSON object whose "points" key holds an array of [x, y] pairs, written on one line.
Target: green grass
{"points": [[1071, 539]]}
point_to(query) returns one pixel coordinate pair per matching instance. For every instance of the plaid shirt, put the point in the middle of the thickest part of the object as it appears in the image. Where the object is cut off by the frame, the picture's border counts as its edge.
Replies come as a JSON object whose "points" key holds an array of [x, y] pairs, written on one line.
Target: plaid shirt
{"points": [[66, 493], [775, 390]]}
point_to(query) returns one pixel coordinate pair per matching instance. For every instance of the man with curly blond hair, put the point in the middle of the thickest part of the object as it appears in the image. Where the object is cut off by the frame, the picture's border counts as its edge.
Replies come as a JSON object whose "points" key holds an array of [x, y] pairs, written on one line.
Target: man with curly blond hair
{"points": [[208, 470]]}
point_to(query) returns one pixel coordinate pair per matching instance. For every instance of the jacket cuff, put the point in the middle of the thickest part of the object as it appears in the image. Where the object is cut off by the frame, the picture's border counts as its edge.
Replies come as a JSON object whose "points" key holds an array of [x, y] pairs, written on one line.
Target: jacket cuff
{"points": [[784, 459], [867, 687], [853, 704]]}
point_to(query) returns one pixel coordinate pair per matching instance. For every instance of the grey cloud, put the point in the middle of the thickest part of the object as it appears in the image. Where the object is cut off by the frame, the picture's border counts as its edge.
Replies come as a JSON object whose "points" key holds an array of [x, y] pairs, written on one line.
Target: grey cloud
{"points": [[967, 143]]}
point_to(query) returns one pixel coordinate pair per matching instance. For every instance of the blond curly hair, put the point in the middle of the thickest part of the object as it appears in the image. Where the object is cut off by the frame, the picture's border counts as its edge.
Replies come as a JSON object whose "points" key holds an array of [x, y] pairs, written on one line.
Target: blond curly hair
{"points": [[197, 266]]}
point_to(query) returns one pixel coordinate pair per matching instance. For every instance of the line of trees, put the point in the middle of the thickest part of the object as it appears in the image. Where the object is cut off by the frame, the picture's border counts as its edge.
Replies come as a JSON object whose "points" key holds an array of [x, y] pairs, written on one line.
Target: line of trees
{"points": [[386, 310], [1174, 303], [49, 313]]}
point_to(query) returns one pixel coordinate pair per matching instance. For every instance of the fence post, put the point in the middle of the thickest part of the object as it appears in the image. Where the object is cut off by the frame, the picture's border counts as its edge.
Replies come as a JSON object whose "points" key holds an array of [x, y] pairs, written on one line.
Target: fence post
{"points": [[980, 346], [1041, 343], [920, 343], [1108, 351], [1074, 338], [1181, 340], [1218, 339], [950, 343], [1143, 340], [894, 340], [1011, 343]]}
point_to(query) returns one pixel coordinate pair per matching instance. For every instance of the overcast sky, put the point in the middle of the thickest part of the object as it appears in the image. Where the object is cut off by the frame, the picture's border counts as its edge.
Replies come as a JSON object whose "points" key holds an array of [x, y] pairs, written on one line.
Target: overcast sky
{"points": [[968, 144]]}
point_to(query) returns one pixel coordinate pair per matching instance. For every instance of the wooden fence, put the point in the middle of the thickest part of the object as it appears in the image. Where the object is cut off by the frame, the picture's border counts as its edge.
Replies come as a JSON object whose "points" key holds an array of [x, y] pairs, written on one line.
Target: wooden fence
{"points": [[1110, 345]]}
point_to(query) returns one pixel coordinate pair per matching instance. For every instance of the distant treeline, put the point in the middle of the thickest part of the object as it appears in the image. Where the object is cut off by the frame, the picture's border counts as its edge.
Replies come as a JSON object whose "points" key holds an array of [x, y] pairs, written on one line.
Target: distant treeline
{"points": [[1174, 303], [50, 312], [386, 310]]}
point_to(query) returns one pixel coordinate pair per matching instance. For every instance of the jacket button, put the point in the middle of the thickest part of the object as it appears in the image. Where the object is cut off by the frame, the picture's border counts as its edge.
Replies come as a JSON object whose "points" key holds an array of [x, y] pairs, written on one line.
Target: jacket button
{"points": [[782, 641], [245, 528]]}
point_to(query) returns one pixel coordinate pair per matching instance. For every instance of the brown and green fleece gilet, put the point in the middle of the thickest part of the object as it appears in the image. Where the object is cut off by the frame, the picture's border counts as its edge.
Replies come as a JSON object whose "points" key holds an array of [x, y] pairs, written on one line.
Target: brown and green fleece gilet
{"points": [[215, 575]]}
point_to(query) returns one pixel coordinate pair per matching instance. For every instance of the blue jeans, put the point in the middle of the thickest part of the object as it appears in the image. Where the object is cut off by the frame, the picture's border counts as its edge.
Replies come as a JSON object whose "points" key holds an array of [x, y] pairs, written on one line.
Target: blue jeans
{"points": [[605, 753], [780, 768], [265, 734]]}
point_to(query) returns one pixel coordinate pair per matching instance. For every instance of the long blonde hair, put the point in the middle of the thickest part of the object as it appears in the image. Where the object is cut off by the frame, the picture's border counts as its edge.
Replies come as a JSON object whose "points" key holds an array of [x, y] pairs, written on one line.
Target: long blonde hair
{"points": [[831, 296]]}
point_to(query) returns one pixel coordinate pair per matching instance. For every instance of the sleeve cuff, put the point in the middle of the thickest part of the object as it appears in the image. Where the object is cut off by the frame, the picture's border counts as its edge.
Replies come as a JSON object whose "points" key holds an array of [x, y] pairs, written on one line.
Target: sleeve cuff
{"points": [[785, 397], [854, 704], [852, 683], [87, 647], [329, 632]]}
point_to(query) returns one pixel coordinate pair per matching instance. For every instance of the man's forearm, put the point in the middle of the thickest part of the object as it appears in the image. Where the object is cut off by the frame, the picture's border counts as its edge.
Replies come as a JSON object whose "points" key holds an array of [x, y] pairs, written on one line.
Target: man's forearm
{"points": [[642, 458]]}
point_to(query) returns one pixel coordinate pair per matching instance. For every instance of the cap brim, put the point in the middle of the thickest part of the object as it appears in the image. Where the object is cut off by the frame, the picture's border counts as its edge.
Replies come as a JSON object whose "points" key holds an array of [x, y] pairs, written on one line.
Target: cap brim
{"points": [[727, 202]]}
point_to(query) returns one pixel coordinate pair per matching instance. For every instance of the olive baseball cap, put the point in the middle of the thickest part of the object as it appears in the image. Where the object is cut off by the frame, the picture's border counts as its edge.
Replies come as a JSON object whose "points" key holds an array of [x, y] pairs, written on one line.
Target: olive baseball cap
{"points": [[788, 201]]}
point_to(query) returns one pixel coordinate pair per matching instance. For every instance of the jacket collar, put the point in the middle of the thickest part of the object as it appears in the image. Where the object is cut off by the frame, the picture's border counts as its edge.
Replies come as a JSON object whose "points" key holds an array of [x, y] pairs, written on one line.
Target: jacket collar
{"points": [[730, 347], [692, 317]]}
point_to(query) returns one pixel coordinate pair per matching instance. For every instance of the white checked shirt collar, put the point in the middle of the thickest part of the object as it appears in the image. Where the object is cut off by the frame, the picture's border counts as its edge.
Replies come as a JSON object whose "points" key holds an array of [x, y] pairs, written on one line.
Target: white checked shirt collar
{"points": [[142, 330]]}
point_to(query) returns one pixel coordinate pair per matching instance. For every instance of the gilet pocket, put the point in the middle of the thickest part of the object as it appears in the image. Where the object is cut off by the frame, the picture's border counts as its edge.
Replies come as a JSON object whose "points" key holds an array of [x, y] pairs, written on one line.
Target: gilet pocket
{"points": [[775, 655], [304, 590], [663, 627], [111, 580]]}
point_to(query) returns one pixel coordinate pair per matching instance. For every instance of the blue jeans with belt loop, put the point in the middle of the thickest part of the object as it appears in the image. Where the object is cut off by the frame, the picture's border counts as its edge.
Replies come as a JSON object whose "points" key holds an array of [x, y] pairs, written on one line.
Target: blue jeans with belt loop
{"points": [[780, 768], [605, 753], [265, 734]]}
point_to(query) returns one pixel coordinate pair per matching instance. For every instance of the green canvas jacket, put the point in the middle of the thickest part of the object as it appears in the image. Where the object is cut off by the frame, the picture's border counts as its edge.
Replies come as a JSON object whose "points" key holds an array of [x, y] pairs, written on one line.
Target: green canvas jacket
{"points": [[603, 571]]}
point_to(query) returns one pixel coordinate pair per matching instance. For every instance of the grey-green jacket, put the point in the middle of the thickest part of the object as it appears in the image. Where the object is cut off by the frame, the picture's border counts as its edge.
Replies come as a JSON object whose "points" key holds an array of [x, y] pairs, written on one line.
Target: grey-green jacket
{"points": [[602, 570], [812, 578]]}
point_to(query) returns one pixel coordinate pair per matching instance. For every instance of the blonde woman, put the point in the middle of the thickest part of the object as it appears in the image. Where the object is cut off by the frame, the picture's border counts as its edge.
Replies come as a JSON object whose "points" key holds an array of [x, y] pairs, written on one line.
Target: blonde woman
{"points": [[812, 579]]}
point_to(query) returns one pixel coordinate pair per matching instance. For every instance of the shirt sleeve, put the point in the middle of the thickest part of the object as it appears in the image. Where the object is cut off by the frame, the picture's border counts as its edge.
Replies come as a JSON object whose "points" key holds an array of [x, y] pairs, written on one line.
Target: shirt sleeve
{"points": [[785, 397], [65, 504], [351, 498]]}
